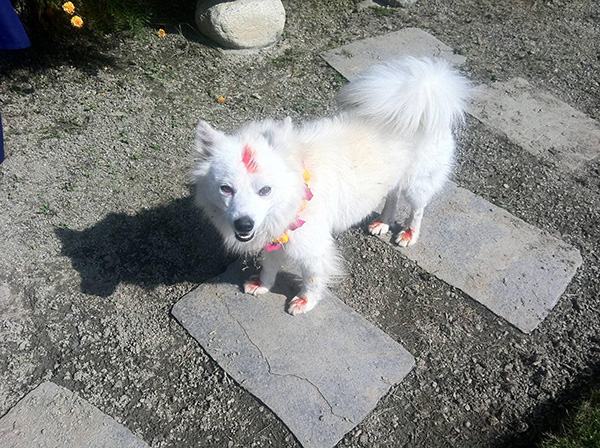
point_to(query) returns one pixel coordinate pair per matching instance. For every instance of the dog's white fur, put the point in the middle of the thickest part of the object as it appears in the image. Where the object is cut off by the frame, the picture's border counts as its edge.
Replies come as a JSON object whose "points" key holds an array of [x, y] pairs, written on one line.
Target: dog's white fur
{"points": [[392, 137]]}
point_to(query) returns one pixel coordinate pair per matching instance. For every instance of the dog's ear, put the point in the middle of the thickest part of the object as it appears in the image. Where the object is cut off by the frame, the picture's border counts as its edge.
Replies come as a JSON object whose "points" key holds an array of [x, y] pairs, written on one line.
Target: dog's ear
{"points": [[206, 139], [279, 136]]}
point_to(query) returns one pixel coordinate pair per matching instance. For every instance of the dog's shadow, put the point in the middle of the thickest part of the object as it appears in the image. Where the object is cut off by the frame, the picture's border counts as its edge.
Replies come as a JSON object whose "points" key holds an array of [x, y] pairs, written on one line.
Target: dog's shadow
{"points": [[287, 283], [165, 245]]}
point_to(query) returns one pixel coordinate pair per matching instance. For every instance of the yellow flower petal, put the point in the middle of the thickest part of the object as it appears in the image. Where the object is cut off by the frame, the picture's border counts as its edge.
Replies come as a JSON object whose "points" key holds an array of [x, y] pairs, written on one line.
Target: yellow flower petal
{"points": [[221, 99], [77, 22], [69, 8], [161, 33]]}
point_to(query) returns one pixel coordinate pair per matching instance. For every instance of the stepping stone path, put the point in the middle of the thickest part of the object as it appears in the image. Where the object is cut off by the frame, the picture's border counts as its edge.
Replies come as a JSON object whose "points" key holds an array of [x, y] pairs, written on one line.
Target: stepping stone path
{"points": [[51, 416], [322, 390], [321, 373], [538, 122]]}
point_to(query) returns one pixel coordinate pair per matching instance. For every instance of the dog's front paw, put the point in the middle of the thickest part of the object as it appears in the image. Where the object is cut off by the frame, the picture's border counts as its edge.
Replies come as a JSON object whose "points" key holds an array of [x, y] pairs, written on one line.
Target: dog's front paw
{"points": [[301, 305], [407, 237], [378, 228], [254, 286]]}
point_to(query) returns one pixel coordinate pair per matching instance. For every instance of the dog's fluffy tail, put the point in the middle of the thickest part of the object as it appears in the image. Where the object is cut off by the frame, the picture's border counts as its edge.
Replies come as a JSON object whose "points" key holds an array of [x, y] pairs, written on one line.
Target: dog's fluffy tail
{"points": [[408, 95]]}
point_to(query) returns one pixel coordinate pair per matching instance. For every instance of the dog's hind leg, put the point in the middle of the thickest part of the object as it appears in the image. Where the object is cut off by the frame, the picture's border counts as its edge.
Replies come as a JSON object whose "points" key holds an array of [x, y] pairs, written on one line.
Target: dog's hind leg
{"points": [[381, 224], [271, 264], [412, 228], [418, 196]]}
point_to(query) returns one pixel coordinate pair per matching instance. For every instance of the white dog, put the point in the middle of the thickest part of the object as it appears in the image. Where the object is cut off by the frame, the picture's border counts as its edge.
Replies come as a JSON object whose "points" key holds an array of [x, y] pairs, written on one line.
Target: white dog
{"points": [[285, 190]]}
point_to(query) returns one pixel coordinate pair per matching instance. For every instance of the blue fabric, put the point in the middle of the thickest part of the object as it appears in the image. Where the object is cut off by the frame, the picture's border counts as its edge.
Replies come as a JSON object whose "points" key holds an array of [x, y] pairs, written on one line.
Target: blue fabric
{"points": [[12, 37], [12, 33]]}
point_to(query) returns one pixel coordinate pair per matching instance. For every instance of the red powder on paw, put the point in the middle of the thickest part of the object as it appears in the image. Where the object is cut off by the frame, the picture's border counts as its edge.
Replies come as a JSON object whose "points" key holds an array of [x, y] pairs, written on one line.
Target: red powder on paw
{"points": [[407, 234], [301, 301], [248, 160], [255, 281], [375, 224]]}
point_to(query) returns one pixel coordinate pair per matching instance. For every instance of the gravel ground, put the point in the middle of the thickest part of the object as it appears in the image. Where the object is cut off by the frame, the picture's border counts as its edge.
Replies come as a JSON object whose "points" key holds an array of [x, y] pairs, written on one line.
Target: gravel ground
{"points": [[99, 238]]}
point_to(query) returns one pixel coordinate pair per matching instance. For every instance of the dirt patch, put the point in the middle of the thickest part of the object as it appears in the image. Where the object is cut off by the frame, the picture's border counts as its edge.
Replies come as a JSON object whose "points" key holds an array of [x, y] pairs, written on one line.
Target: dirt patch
{"points": [[99, 239]]}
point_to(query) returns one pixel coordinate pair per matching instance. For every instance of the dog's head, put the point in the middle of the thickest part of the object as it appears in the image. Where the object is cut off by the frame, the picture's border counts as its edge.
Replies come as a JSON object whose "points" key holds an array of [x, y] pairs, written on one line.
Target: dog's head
{"points": [[248, 183]]}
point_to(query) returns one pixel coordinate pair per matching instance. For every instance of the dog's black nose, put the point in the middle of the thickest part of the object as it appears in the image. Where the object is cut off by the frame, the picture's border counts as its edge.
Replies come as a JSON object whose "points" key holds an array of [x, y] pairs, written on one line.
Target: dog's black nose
{"points": [[243, 224]]}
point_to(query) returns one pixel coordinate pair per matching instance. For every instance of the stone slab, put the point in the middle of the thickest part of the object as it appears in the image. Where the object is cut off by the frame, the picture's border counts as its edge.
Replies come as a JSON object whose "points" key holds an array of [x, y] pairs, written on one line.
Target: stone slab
{"points": [[321, 373], [51, 416], [539, 122], [516, 270], [353, 58]]}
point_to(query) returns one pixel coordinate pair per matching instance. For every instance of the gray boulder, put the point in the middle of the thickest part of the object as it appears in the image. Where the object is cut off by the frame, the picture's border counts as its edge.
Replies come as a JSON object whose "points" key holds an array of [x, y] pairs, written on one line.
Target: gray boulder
{"points": [[241, 23]]}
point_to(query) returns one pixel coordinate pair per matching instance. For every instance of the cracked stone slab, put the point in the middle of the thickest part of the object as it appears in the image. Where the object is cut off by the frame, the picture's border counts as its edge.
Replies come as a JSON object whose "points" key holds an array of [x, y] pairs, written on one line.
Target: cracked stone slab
{"points": [[516, 270], [321, 373], [51, 416], [353, 58], [537, 121]]}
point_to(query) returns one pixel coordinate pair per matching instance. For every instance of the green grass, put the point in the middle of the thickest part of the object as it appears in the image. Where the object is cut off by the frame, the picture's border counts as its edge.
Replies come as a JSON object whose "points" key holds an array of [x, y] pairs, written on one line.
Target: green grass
{"points": [[583, 430], [381, 11], [45, 209]]}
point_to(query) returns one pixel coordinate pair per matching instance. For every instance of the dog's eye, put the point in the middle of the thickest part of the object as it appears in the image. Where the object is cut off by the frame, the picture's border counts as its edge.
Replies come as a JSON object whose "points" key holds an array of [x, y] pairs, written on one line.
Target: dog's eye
{"points": [[264, 191], [226, 189]]}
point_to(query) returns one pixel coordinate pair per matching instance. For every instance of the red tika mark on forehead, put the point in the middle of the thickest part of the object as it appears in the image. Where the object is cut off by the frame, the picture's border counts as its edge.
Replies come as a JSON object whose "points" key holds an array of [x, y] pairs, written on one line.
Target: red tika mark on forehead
{"points": [[248, 160]]}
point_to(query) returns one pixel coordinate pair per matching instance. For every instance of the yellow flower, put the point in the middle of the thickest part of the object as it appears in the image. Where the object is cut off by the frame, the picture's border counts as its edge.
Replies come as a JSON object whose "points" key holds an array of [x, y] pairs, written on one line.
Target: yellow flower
{"points": [[69, 8], [221, 99], [77, 22], [161, 33]]}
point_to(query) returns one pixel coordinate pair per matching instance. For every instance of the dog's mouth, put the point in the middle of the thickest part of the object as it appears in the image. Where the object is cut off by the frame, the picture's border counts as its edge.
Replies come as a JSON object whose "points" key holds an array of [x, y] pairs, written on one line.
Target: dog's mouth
{"points": [[244, 237]]}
